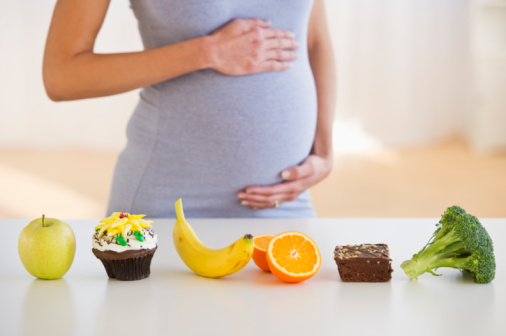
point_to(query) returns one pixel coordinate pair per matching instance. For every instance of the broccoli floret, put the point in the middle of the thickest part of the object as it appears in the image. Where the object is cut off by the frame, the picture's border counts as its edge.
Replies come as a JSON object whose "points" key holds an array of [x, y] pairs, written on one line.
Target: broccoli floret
{"points": [[460, 241]]}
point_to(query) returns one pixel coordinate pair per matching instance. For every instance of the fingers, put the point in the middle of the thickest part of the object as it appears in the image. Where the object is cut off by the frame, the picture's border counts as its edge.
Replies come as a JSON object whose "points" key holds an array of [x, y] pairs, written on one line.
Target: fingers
{"points": [[278, 33], [273, 44], [280, 55], [272, 190], [297, 179], [281, 43], [264, 197], [254, 24], [271, 65], [259, 201], [248, 46], [270, 38], [269, 32], [275, 58], [263, 202], [303, 170]]}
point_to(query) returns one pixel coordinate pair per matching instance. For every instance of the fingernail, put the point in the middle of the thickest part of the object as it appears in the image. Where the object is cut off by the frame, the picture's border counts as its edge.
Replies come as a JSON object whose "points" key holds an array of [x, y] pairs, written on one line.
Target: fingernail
{"points": [[241, 195], [286, 174], [268, 22], [244, 203], [291, 34], [296, 43]]}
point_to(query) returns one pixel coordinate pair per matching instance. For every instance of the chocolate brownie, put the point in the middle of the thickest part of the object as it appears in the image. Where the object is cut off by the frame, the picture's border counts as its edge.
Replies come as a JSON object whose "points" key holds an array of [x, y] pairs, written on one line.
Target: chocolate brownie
{"points": [[363, 263]]}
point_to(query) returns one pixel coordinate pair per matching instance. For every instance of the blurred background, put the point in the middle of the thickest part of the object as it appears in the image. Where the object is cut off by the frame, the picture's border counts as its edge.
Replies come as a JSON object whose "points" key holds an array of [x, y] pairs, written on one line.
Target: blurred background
{"points": [[420, 122]]}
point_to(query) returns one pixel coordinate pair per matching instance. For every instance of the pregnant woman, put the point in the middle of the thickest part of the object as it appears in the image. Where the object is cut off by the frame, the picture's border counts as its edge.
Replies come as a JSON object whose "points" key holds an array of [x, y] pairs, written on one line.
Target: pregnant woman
{"points": [[235, 115]]}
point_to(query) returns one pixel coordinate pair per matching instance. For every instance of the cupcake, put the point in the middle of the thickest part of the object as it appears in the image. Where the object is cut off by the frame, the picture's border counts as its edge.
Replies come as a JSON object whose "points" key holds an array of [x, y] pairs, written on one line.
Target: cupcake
{"points": [[125, 244]]}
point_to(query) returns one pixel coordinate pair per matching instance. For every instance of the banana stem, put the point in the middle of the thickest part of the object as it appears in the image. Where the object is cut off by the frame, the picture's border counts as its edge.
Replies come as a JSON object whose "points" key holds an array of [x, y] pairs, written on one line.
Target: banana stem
{"points": [[179, 210]]}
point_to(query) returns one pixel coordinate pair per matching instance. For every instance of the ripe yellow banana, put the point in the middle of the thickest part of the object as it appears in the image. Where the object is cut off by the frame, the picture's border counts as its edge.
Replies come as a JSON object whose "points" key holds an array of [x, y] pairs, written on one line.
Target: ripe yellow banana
{"points": [[207, 262]]}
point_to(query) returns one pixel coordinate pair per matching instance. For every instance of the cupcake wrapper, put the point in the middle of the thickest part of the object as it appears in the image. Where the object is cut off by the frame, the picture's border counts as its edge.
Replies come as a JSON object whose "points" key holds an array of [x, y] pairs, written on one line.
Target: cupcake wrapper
{"points": [[129, 269]]}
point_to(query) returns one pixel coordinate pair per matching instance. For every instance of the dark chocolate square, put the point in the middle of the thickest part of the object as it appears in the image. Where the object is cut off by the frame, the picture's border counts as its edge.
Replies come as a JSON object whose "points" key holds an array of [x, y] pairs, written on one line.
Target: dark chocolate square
{"points": [[364, 263]]}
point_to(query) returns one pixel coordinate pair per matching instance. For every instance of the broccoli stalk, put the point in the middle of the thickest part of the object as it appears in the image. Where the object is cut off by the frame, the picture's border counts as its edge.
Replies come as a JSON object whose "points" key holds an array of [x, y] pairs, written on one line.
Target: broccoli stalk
{"points": [[459, 242]]}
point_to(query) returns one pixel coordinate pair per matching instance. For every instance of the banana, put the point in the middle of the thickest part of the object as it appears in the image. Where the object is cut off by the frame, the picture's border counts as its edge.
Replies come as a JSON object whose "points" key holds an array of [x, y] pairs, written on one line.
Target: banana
{"points": [[207, 262]]}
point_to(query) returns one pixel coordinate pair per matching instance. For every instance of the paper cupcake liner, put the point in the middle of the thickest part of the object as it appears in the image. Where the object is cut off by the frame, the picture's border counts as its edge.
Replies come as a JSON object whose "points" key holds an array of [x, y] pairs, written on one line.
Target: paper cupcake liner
{"points": [[129, 269]]}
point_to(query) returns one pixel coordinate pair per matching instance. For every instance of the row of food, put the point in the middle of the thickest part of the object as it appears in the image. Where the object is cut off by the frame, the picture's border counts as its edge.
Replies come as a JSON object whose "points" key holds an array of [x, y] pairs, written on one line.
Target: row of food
{"points": [[126, 244]]}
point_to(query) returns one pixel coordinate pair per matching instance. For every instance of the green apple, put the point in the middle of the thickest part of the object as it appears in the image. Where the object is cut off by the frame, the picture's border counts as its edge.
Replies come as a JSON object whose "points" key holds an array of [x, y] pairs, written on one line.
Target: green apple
{"points": [[46, 247]]}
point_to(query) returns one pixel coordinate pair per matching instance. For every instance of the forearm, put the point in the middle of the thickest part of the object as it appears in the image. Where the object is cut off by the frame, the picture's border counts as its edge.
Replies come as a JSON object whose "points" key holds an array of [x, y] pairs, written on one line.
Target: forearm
{"points": [[71, 70], [87, 74], [323, 66]]}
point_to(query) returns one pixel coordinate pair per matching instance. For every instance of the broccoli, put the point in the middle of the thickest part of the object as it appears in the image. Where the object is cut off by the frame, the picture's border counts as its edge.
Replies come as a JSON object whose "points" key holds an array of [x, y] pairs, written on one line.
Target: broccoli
{"points": [[460, 241]]}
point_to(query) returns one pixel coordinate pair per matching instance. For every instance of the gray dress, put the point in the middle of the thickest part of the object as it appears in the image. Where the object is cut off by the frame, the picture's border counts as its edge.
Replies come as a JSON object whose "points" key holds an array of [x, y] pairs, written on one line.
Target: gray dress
{"points": [[205, 135]]}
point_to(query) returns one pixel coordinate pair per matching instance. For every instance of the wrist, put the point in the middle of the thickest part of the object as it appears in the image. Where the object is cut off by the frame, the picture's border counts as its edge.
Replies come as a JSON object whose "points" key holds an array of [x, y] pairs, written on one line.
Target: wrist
{"points": [[325, 153], [322, 145], [207, 50]]}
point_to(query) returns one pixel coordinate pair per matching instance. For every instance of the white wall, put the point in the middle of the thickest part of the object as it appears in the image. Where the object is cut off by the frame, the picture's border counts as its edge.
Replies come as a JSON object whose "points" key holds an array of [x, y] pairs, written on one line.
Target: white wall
{"points": [[28, 119], [405, 70], [404, 67], [488, 31]]}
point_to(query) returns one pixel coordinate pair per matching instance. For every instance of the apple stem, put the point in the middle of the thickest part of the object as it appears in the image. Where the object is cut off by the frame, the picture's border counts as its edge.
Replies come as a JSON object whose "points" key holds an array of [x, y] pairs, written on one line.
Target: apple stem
{"points": [[43, 216]]}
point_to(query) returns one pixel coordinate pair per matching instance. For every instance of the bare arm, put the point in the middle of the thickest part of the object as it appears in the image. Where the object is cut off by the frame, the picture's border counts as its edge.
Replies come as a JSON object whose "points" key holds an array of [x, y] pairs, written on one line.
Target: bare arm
{"points": [[318, 164], [321, 58], [71, 69]]}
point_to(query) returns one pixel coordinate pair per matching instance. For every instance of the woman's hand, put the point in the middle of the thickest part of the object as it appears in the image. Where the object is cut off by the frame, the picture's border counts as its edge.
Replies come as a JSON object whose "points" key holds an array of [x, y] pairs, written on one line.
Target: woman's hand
{"points": [[247, 46], [297, 179], [319, 164], [72, 70]]}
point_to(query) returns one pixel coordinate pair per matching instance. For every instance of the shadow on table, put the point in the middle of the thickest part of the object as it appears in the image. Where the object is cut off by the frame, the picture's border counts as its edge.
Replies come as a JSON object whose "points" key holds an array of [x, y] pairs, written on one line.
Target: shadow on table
{"points": [[48, 309]]}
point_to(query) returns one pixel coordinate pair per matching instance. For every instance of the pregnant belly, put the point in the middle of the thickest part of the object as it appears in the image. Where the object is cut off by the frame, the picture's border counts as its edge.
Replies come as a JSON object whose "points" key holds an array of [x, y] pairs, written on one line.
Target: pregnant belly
{"points": [[235, 131]]}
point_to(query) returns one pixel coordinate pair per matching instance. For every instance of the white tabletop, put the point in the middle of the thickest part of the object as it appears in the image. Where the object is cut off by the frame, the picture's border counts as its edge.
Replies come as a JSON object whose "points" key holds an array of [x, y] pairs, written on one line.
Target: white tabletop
{"points": [[175, 301]]}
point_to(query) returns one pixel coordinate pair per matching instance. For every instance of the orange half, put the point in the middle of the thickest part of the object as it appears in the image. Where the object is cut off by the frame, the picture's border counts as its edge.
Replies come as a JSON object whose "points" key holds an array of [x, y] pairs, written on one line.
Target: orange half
{"points": [[259, 253], [293, 257]]}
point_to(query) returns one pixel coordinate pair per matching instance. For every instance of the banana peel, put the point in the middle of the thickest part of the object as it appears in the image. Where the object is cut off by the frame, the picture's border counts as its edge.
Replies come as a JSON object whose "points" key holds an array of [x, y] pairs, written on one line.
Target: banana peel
{"points": [[205, 261]]}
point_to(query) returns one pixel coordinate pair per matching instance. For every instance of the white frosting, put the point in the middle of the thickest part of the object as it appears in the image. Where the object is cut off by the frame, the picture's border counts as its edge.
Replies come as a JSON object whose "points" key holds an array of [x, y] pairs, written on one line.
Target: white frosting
{"points": [[106, 243]]}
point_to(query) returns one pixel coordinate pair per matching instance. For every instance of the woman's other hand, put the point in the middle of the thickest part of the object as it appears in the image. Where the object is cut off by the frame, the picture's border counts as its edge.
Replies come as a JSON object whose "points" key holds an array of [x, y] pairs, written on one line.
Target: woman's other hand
{"points": [[247, 46], [297, 179], [319, 163]]}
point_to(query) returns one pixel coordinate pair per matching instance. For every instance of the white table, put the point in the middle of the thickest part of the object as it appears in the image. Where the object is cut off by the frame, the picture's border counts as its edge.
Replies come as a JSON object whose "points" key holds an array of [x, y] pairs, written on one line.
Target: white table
{"points": [[175, 301]]}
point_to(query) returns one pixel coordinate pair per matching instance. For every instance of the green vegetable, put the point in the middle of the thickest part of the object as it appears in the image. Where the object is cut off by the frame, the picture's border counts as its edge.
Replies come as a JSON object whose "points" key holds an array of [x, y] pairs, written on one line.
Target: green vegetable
{"points": [[460, 241]]}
